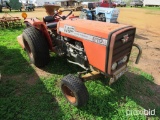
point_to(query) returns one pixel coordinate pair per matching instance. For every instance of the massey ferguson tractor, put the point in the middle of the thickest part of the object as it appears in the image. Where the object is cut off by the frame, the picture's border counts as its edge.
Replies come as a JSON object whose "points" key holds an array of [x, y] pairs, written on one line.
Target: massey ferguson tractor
{"points": [[99, 48]]}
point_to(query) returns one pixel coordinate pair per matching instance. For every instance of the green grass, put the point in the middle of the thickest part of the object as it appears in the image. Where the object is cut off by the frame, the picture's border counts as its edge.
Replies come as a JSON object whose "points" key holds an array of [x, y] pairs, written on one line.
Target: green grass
{"points": [[26, 95], [152, 8], [147, 8]]}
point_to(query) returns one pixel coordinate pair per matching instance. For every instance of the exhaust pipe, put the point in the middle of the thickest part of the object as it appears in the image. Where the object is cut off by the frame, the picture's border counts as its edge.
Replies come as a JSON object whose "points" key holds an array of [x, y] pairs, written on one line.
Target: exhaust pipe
{"points": [[139, 53]]}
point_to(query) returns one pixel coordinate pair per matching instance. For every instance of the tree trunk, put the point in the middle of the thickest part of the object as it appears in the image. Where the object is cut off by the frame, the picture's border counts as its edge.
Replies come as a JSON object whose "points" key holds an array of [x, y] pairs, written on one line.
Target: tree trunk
{"points": [[1, 6]]}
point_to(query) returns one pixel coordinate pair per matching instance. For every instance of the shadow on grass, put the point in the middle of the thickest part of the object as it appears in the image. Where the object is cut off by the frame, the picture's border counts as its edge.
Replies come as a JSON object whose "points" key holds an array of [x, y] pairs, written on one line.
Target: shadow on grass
{"points": [[59, 65], [101, 103], [141, 89], [131, 87], [23, 94]]}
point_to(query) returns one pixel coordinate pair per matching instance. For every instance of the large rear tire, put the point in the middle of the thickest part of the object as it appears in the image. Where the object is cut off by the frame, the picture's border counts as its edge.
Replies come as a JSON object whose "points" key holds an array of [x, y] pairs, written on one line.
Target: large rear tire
{"points": [[36, 46], [74, 90]]}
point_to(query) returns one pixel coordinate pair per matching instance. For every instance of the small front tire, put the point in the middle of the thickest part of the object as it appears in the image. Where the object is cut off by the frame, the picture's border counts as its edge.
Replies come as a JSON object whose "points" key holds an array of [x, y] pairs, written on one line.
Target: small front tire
{"points": [[74, 90]]}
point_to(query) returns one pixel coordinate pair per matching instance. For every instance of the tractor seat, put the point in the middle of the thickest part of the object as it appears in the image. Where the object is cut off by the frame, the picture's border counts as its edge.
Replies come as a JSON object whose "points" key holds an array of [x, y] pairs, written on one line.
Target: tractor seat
{"points": [[51, 25], [48, 19]]}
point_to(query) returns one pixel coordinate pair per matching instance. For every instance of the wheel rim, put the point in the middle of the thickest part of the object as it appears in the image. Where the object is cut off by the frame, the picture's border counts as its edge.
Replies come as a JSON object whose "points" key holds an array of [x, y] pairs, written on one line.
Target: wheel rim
{"points": [[69, 94]]}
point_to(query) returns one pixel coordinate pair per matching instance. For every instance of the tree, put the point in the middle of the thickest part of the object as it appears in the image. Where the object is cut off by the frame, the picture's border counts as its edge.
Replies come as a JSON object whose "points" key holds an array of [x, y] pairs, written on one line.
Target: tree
{"points": [[1, 6]]}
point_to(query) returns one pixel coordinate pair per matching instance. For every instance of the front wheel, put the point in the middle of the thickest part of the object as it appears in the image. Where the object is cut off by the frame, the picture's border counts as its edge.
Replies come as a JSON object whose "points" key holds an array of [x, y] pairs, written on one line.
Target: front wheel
{"points": [[74, 90], [36, 46]]}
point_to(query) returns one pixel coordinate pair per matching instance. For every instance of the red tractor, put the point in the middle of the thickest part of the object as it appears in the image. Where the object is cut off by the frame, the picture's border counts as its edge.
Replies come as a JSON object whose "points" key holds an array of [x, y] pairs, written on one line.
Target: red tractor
{"points": [[99, 48]]}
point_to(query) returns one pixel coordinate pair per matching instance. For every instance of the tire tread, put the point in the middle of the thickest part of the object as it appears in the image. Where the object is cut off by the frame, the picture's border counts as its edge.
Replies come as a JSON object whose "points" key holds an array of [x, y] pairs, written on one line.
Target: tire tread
{"points": [[39, 46], [78, 87]]}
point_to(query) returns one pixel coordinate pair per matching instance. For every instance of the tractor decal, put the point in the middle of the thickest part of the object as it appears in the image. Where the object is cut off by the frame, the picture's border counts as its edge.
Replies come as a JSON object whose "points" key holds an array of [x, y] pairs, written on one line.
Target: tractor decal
{"points": [[125, 38], [71, 31]]}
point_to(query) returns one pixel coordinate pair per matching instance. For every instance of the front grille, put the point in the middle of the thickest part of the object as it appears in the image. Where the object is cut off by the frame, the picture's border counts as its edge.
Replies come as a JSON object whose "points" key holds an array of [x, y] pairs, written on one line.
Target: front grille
{"points": [[121, 49], [118, 49]]}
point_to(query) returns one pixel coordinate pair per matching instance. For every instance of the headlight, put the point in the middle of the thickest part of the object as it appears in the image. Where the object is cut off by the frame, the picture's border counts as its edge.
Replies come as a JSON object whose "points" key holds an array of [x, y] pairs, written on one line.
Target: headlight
{"points": [[125, 59], [114, 65]]}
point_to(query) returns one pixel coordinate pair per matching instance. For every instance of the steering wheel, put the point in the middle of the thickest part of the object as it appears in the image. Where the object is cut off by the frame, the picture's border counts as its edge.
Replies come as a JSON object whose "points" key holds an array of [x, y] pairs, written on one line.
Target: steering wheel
{"points": [[62, 17]]}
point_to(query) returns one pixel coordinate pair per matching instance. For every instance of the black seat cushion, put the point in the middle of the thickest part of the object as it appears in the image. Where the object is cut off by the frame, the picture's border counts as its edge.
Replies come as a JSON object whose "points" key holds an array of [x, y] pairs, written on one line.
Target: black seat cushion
{"points": [[48, 19], [51, 25]]}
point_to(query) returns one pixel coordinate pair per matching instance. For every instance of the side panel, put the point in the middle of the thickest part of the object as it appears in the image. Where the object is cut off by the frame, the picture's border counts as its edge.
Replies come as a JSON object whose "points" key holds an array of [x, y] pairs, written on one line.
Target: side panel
{"points": [[96, 54], [95, 47]]}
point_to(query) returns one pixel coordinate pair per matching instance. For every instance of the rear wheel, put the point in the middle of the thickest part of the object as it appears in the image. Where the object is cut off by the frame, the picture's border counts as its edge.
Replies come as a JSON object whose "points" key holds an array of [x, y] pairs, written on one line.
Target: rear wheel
{"points": [[36, 47], [74, 90]]}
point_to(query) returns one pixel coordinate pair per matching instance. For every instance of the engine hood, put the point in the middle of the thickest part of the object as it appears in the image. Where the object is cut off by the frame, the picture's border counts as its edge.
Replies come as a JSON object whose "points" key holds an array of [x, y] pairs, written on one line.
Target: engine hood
{"points": [[95, 28]]}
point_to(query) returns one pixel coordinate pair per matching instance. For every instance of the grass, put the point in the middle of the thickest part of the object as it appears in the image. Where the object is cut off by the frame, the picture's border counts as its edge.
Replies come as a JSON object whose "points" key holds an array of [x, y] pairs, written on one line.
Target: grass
{"points": [[152, 8], [145, 7], [28, 95]]}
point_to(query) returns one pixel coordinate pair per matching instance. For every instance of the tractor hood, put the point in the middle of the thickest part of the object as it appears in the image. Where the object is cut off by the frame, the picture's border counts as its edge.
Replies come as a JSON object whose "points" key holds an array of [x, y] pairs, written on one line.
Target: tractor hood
{"points": [[94, 28]]}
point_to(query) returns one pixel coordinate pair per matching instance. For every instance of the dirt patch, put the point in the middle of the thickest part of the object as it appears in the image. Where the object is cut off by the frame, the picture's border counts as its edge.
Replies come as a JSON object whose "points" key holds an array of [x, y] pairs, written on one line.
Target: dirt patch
{"points": [[150, 60], [147, 20], [143, 91], [41, 72], [32, 79], [147, 36]]}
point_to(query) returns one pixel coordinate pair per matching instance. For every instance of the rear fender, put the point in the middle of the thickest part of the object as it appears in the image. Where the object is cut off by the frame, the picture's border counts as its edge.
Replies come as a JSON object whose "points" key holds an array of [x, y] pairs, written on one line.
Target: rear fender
{"points": [[31, 21]]}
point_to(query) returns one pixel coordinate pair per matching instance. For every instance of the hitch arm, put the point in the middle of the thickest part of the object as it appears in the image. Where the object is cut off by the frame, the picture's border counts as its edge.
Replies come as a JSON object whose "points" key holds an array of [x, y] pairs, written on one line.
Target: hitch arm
{"points": [[139, 54]]}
